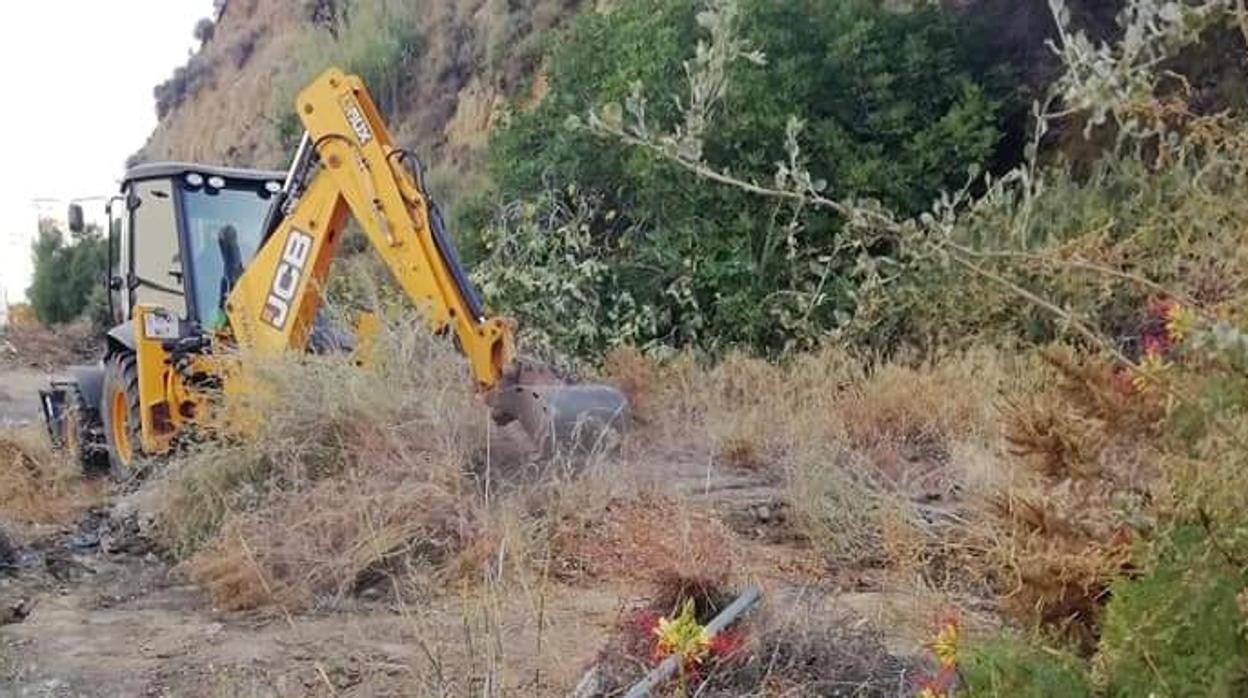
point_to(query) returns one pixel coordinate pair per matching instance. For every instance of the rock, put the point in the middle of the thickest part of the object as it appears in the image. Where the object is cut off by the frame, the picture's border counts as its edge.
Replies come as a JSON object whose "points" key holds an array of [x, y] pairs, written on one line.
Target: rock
{"points": [[63, 566], [16, 612], [8, 552]]}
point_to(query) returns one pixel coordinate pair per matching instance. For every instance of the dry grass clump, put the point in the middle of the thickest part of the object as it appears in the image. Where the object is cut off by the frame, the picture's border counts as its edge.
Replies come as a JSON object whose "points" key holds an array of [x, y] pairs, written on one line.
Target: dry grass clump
{"points": [[902, 418], [648, 539], [39, 346], [1066, 529], [358, 479], [38, 486], [882, 463], [337, 537], [349, 472]]}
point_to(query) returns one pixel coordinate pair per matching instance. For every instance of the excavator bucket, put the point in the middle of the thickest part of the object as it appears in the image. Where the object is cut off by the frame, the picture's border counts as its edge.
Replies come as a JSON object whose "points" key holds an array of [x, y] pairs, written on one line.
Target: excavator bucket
{"points": [[560, 417]]}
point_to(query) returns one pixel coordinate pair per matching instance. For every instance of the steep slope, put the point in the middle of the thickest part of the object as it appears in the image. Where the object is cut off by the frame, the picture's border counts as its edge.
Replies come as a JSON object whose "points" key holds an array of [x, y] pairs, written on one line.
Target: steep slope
{"points": [[440, 69], [217, 108]]}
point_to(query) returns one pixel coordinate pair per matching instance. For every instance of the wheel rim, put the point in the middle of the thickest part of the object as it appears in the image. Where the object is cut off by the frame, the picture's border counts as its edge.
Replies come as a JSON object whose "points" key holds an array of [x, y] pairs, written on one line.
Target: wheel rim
{"points": [[119, 413]]}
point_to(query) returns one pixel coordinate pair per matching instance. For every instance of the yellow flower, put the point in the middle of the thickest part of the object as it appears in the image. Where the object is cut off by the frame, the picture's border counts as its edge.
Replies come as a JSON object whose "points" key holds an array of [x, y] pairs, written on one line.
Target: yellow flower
{"points": [[683, 636], [1180, 321], [927, 692], [945, 646], [1150, 372]]}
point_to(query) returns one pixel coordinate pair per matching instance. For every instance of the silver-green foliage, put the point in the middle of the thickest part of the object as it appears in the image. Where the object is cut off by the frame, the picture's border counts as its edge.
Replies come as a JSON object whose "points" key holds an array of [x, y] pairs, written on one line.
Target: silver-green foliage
{"points": [[705, 265]]}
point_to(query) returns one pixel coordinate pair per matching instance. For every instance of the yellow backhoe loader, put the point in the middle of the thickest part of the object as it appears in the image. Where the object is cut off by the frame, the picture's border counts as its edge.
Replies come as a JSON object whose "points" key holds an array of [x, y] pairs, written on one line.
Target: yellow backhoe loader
{"points": [[206, 261]]}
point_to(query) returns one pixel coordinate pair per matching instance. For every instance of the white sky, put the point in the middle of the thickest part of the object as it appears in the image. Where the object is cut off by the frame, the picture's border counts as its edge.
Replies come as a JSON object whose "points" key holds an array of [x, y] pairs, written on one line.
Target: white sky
{"points": [[78, 101]]}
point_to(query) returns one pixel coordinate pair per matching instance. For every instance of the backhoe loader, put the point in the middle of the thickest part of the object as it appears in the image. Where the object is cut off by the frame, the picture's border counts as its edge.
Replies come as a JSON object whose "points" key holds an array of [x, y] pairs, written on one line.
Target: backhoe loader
{"points": [[209, 266]]}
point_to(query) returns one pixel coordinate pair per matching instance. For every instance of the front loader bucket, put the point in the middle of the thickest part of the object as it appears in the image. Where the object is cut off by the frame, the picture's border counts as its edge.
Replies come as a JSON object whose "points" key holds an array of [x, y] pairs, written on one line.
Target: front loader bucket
{"points": [[561, 418]]}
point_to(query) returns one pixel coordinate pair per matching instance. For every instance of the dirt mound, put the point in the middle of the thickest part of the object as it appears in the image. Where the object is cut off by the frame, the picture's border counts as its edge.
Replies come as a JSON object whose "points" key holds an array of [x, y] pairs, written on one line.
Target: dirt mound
{"points": [[36, 346]]}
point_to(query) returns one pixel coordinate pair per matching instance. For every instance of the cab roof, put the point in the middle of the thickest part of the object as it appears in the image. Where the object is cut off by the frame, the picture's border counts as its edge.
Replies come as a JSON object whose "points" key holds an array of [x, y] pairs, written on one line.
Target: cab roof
{"points": [[158, 170]]}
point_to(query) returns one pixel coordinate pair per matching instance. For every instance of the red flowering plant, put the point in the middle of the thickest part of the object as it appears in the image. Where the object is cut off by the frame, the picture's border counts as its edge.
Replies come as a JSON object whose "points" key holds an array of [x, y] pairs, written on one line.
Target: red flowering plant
{"points": [[943, 646], [684, 636], [1166, 326]]}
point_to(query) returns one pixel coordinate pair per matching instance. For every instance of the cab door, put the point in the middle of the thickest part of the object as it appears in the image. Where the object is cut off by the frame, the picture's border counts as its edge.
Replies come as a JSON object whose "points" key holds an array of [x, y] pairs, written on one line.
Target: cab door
{"points": [[118, 260], [154, 257]]}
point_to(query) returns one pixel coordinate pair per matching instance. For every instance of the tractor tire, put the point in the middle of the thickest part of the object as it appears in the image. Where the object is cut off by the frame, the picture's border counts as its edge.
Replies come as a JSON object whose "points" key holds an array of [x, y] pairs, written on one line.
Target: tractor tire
{"points": [[120, 413], [78, 437]]}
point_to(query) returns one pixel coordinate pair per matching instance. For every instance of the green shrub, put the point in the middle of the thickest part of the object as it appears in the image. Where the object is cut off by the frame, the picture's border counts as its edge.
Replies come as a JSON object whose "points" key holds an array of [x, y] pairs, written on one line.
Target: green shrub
{"points": [[896, 106], [1165, 224], [1177, 630], [1004, 666], [378, 40]]}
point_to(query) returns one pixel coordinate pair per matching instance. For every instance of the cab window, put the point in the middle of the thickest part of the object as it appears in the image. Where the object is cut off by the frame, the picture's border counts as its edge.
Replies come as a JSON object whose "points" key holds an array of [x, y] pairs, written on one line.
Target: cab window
{"points": [[223, 231], [119, 259]]}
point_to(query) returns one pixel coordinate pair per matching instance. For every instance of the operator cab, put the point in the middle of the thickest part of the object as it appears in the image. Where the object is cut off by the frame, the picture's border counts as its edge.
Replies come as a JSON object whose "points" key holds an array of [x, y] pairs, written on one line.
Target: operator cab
{"points": [[180, 234]]}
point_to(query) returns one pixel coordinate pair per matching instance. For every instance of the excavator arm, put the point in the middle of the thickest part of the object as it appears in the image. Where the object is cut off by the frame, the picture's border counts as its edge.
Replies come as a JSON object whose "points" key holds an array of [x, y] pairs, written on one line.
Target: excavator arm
{"points": [[347, 164]]}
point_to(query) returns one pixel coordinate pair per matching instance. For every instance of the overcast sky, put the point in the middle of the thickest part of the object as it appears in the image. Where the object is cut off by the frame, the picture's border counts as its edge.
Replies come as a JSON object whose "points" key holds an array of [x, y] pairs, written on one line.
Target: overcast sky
{"points": [[78, 101]]}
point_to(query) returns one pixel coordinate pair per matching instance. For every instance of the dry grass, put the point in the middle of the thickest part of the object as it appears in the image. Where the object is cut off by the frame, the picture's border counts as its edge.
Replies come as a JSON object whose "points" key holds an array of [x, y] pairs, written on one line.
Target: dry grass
{"points": [[374, 479], [644, 540], [349, 471], [958, 476], [886, 464], [1091, 470], [38, 486], [1016, 480], [37, 346]]}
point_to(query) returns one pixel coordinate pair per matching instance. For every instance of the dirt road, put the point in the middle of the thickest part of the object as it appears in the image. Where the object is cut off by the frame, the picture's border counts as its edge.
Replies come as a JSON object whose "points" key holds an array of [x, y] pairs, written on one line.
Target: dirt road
{"points": [[19, 394], [125, 625]]}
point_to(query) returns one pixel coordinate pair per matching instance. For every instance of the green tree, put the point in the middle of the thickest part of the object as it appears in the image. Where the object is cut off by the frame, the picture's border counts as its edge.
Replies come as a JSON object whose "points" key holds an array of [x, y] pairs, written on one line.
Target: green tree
{"points": [[895, 106], [67, 273]]}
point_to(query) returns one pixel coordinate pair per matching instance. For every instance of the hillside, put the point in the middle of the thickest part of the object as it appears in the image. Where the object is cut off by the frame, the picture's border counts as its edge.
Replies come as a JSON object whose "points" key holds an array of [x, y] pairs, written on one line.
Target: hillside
{"points": [[456, 64], [444, 66]]}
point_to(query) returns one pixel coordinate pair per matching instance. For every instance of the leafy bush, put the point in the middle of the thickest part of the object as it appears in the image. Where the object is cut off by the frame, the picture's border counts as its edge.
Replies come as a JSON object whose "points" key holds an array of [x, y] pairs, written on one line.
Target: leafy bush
{"points": [[67, 274], [1008, 666], [1164, 223], [185, 82], [1178, 630], [205, 29], [900, 126]]}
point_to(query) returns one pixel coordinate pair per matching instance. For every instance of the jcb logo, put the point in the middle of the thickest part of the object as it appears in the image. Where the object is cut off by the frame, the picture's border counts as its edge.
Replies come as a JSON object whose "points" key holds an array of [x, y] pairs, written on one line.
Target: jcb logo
{"points": [[286, 280], [355, 117]]}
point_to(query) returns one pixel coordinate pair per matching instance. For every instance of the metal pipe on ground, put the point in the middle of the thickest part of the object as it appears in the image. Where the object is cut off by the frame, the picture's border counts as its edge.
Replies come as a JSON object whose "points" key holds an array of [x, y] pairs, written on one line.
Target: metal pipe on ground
{"points": [[668, 666]]}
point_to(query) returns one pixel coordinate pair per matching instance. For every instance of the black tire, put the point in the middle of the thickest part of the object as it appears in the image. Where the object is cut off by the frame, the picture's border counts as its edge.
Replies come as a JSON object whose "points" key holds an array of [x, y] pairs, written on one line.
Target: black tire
{"points": [[119, 412], [80, 436]]}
